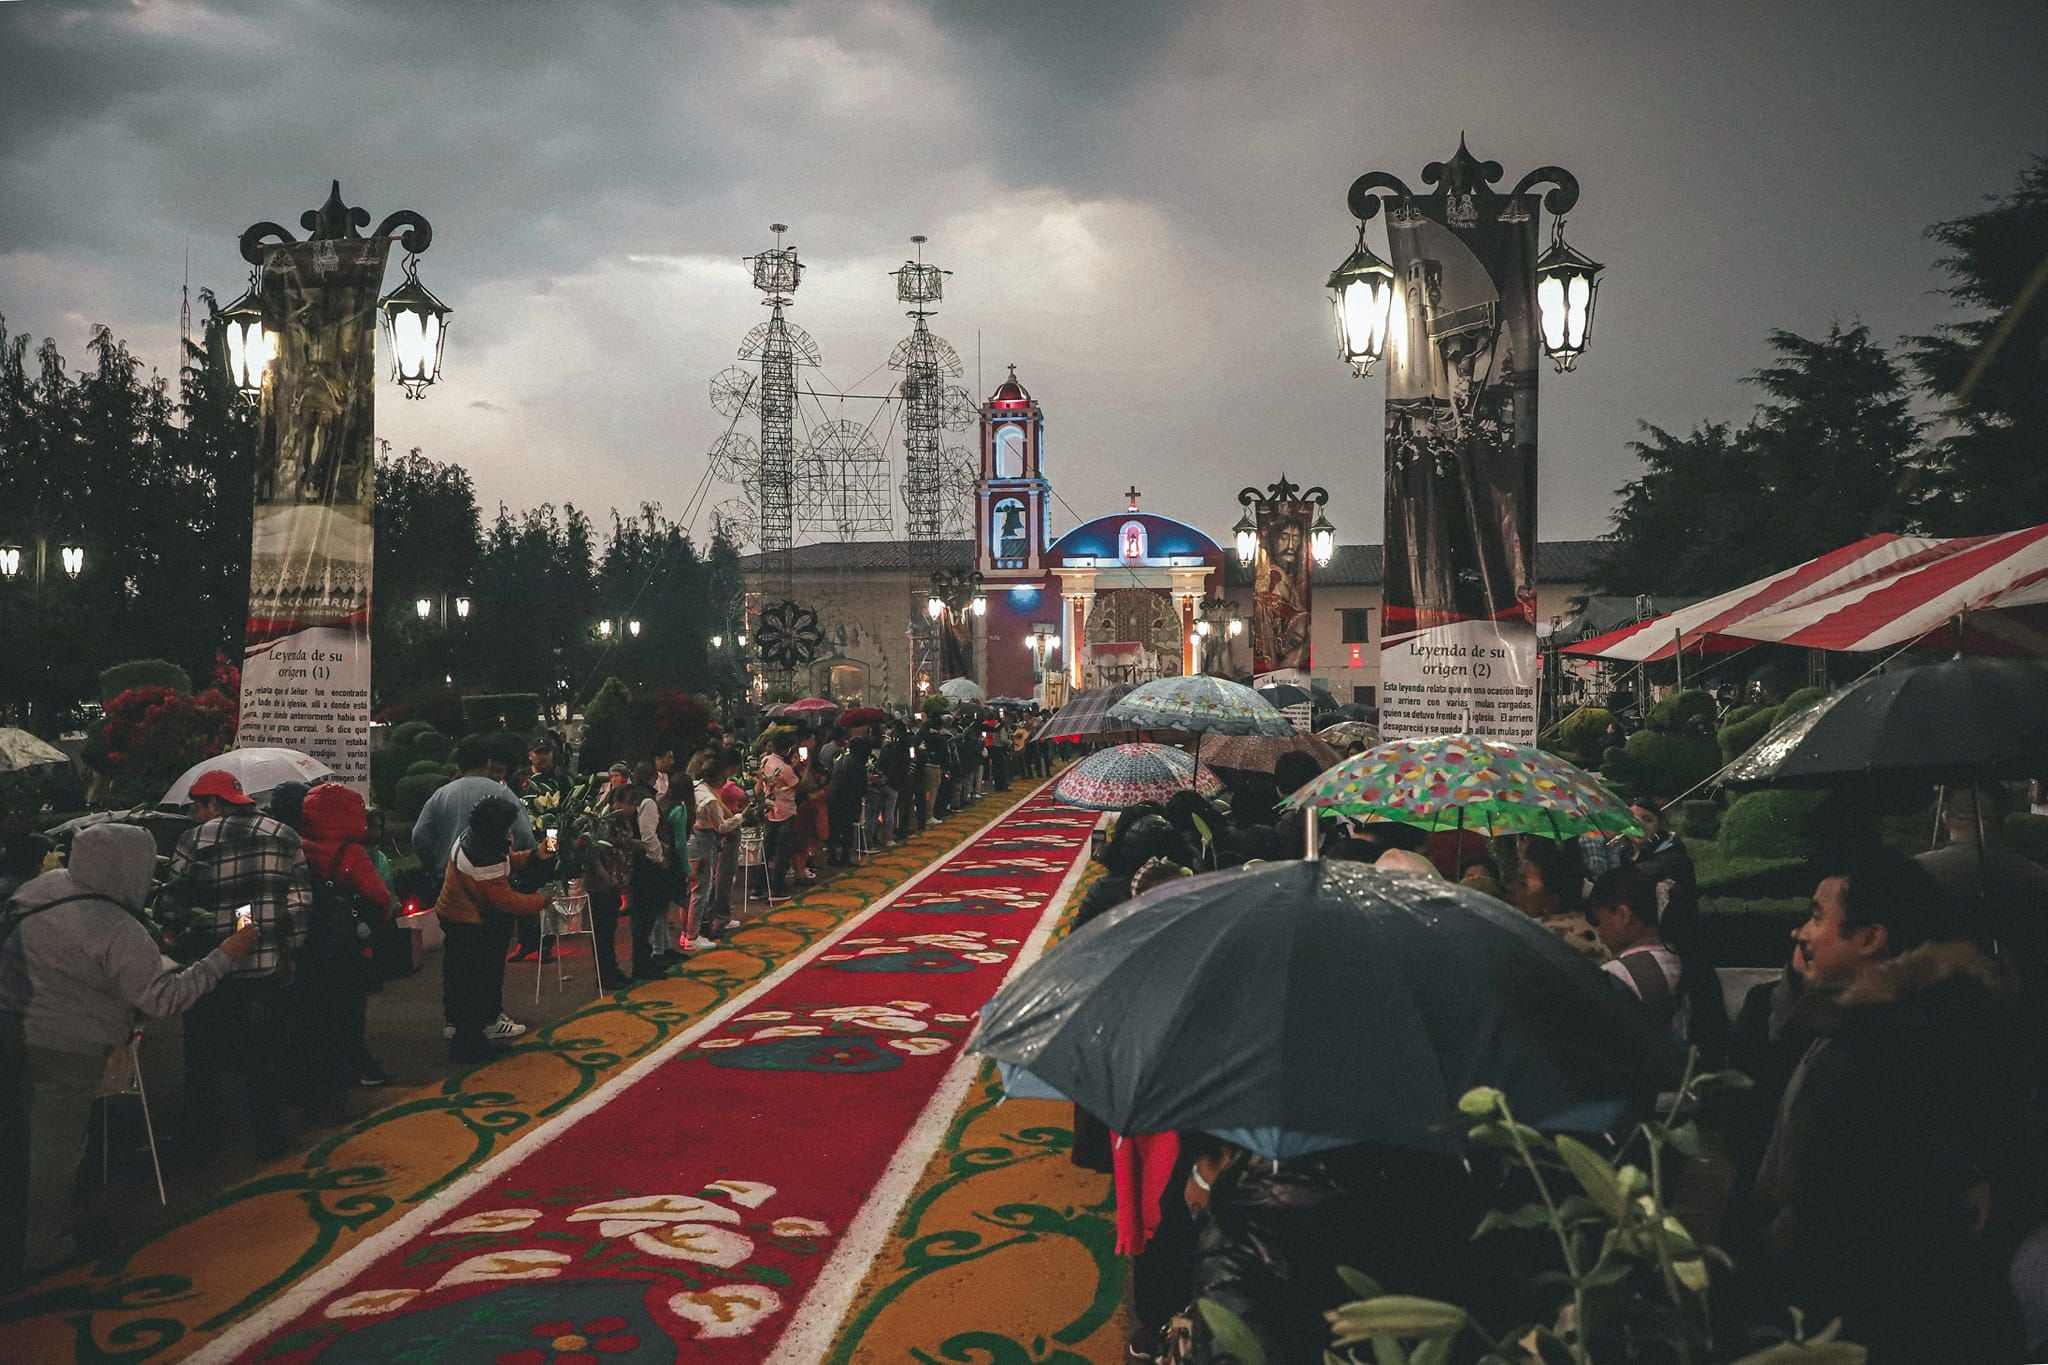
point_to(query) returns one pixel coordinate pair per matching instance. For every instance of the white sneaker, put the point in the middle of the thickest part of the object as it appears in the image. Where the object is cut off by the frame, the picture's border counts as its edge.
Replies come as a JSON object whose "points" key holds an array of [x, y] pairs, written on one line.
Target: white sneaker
{"points": [[505, 1027]]}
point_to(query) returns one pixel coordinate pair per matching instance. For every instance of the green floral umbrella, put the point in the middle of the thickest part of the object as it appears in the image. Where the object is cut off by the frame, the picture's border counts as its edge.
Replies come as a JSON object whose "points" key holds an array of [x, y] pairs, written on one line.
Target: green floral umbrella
{"points": [[1466, 782]]}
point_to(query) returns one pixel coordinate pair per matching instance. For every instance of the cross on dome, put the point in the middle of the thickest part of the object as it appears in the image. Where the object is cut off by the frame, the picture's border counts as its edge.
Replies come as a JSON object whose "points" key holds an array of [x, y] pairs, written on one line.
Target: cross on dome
{"points": [[1133, 495]]}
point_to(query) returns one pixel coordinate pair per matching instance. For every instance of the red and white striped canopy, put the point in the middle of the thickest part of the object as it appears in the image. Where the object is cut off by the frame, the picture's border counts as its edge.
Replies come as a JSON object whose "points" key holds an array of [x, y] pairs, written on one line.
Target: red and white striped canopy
{"points": [[1710, 627], [1986, 595]]}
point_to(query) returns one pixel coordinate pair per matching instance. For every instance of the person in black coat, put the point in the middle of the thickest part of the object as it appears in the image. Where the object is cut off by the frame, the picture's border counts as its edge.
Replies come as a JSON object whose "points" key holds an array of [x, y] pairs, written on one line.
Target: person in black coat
{"points": [[1896, 1169]]}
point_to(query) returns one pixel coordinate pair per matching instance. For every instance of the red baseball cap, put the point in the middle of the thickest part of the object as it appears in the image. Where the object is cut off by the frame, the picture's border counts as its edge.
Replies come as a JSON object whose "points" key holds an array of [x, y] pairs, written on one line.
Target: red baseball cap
{"points": [[222, 785]]}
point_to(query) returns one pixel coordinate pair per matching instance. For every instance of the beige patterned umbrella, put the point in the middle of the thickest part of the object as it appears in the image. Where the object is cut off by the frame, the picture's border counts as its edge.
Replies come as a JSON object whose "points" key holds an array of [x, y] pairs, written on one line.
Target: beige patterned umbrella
{"points": [[1258, 753], [19, 749]]}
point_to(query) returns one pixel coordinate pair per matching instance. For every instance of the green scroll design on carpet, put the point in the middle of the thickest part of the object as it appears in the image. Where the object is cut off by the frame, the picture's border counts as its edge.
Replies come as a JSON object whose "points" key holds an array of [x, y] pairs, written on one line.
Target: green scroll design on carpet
{"points": [[1092, 1228], [344, 1199]]}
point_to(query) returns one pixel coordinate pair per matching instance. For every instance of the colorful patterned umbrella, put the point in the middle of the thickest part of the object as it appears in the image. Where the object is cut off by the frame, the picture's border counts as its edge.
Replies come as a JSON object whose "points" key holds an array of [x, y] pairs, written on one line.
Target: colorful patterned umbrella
{"points": [[1346, 733], [961, 689], [1258, 753], [1466, 782], [1111, 779], [1200, 704]]}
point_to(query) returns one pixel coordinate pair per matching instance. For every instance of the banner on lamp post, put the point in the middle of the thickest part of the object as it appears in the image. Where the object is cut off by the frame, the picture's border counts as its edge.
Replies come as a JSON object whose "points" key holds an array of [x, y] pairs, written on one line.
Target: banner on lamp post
{"points": [[1458, 648], [1280, 587], [306, 656]]}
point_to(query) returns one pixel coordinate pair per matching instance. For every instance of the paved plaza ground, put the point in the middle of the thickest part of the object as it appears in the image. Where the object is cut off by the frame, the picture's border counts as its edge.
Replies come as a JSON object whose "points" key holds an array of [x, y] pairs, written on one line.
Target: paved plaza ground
{"points": [[783, 1152]]}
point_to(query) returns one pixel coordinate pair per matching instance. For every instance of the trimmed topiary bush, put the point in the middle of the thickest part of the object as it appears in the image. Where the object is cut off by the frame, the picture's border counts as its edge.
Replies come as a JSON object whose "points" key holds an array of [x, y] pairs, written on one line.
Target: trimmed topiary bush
{"points": [[1737, 738], [1690, 712], [1582, 736], [1699, 819], [135, 673], [1661, 765], [1769, 824], [1797, 702], [412, 792]]}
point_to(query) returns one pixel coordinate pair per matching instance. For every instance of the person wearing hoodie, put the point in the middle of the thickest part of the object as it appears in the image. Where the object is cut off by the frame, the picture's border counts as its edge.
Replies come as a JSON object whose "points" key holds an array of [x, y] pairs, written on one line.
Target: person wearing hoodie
{"points": [[334, 831], [76, 965], [478, 886]]}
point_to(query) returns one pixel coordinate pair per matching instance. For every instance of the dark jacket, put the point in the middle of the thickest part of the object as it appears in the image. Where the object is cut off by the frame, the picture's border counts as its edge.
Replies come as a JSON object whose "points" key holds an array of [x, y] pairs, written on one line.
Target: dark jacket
{"points": [[1270, 1244], [1902, 1105], [894, 762]]}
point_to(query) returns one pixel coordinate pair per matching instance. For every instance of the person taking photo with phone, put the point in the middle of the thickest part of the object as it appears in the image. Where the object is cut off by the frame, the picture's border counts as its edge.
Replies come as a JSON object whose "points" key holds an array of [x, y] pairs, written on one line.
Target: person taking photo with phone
{"points": [[77, 965]]}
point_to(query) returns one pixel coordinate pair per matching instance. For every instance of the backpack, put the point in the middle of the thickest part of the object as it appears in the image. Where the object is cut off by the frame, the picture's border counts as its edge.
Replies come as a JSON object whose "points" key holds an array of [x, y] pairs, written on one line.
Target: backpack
{"points": [[336, 926]]}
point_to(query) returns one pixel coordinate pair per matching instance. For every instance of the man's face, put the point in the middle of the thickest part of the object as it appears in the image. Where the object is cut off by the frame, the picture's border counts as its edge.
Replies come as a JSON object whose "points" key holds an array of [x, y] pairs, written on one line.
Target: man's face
{"points": [[1615, 926], [1822, 951], [1287, 545], [541, 760], [496, 770], [206, 808]]}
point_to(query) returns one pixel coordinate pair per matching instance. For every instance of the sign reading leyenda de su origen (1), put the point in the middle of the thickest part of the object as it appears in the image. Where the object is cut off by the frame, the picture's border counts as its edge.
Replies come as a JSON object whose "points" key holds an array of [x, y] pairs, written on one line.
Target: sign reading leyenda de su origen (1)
{"points": [[306, 664], [1458, 652]]}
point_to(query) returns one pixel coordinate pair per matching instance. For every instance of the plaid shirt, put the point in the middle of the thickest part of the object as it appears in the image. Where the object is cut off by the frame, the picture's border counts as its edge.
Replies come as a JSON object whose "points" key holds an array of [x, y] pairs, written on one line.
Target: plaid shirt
{"points": [[246, 858]]}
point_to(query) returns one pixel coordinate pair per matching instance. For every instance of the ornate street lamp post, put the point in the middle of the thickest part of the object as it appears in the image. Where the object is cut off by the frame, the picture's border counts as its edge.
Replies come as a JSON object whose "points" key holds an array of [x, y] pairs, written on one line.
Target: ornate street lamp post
{"points": [[1461, 310], [955, 600]]}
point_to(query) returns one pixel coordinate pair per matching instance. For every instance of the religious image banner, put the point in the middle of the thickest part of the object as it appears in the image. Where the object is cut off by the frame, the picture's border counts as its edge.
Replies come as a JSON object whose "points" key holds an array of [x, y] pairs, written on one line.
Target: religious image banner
{"points": [[1458, 649], [306, 661], [1280, 589]]}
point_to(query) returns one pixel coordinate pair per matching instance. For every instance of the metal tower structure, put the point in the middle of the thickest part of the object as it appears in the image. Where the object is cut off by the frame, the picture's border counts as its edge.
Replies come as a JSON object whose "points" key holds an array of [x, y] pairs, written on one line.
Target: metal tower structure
{"points": [[842, 481], [779, 346], [932, 494]]}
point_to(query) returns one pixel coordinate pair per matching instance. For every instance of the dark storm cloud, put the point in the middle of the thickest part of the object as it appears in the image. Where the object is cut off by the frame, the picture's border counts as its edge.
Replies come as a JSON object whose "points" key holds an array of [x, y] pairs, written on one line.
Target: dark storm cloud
{"points": [[1140, 200]]}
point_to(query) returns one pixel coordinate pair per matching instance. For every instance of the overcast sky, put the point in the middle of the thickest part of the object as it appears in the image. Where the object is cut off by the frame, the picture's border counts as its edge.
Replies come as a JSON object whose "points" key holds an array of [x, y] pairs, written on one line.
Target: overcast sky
{"points": [[1139, 202]]}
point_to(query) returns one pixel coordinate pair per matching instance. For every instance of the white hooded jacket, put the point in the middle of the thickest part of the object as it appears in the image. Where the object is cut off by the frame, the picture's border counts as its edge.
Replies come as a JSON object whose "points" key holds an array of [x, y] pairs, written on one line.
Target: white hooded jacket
{"points": [[76, 973]]}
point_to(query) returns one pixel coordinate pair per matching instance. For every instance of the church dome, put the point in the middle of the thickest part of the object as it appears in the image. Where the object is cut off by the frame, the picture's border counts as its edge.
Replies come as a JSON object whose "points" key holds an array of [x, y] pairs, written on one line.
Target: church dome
{"points": [[1009, 393]]}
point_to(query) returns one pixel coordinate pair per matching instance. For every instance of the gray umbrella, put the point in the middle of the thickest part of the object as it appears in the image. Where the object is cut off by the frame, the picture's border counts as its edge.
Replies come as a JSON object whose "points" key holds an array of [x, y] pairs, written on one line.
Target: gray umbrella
{"points": [[1294, 1006], [19, 749], [1087, 715]]}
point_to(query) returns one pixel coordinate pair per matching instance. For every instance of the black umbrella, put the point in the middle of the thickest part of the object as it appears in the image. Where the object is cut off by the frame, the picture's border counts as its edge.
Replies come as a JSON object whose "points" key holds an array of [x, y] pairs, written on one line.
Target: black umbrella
{"points": [[1966, 718], [1294, 1006], [1286, 694]]}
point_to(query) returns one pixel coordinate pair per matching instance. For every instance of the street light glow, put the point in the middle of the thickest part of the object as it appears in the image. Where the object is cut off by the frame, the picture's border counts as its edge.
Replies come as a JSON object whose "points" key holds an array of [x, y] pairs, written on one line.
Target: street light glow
{"points": [[1246, 534], [250, 347], [417, 324], [1566, 284], [462, 607], [10, 561], [933, 607], [633, 628], [1322, 541], [980, 605], [424, 606], [1364, 299], [74, 560]]}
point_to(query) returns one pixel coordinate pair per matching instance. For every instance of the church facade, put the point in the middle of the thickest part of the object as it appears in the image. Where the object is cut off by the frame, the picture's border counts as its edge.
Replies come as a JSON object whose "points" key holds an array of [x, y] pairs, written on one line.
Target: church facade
{"points": [[1114, 599]]}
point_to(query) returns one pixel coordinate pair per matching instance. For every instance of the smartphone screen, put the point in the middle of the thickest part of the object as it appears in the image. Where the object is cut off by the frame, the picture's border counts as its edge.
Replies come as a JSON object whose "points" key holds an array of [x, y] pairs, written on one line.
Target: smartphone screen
{"points": [[245, 915], [549, 846]]}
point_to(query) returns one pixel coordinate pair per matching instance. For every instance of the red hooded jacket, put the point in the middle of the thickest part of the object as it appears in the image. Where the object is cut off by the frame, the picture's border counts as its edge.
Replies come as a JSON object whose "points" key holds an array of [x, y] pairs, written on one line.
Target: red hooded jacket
{"points": [[334, 831]]}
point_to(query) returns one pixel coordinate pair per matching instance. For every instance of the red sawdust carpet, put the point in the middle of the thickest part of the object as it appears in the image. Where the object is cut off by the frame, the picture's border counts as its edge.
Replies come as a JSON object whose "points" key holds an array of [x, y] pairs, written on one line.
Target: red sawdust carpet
{"points": [[720, 1199]]}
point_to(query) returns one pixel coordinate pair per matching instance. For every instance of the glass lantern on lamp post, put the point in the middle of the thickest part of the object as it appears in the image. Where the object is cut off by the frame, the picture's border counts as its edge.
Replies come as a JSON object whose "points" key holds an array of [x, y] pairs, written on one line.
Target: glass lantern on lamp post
{"points": [[417, 323], [1363, 295], [1567, 282]]}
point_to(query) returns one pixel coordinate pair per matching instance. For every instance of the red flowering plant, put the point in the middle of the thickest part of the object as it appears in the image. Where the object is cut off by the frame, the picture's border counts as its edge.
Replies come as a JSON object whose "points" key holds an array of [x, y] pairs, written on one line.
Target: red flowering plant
{"points": [[152, 734]]}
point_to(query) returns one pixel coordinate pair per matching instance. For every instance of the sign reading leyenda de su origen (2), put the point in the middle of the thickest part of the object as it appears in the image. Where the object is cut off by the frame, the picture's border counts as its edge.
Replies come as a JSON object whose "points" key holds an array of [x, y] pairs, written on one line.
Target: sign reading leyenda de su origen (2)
{"points": [[306, 664], [1458, 652]]}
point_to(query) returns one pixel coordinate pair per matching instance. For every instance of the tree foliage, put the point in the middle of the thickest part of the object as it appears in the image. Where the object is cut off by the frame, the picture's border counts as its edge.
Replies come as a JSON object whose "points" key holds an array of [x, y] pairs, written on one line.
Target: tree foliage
{"points": [[1822, 462], [156, 482], [1986, 471]]}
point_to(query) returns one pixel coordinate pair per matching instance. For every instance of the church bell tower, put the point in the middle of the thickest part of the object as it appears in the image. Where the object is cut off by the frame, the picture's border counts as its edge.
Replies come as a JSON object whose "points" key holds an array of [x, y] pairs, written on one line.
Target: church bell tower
{"points": [[1011, 529]]}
